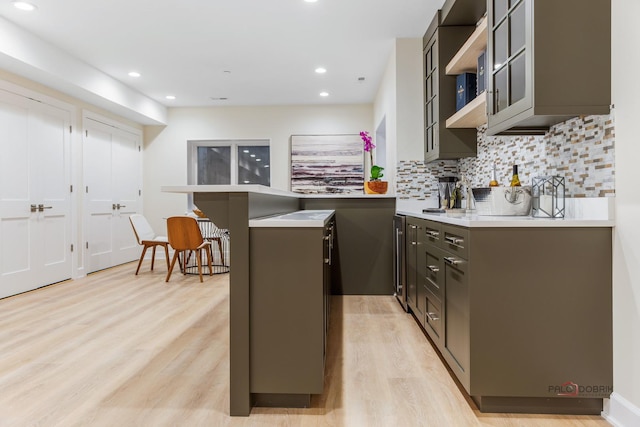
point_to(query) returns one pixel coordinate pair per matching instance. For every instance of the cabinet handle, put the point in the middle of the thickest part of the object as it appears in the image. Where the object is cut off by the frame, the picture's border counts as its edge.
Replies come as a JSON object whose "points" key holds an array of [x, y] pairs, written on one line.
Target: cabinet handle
{"points": [[41, 208], [454, 240], [120, 206], [451, 260], [433, 317], [33, 208], [433, 233], [433, 268], [327, 260]]}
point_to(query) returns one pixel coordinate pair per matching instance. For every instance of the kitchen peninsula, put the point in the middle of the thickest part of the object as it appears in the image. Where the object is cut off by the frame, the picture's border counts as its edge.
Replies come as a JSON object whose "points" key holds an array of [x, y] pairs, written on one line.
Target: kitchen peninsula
{"points": [[361, 253]]}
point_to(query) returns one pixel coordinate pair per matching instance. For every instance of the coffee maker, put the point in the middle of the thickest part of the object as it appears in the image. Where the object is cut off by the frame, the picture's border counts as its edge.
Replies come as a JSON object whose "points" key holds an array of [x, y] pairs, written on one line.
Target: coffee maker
{"points": [[446, 186]]}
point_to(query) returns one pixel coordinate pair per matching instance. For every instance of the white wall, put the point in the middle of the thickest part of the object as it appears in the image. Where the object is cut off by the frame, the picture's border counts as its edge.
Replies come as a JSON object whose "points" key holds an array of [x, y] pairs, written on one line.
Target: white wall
{"points": [[399, 99], [625, 403], [410, 107], [165, 151], [384, 108]]}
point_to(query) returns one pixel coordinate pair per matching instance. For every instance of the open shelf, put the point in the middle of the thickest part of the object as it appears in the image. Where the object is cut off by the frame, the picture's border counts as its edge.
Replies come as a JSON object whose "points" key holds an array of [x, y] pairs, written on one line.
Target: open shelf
{"points": [[467, 57], [472, 115]]}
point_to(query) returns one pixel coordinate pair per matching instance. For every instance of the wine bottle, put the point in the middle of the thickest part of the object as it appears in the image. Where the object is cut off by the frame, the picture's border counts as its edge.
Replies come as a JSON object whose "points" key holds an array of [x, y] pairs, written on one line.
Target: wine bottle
{"points": [[494, 181], [515, 181]]}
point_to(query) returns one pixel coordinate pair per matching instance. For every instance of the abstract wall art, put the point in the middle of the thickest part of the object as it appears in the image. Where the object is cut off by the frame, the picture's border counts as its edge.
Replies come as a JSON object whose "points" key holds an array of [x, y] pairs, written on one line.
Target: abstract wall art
{"points": [[327, 164]]}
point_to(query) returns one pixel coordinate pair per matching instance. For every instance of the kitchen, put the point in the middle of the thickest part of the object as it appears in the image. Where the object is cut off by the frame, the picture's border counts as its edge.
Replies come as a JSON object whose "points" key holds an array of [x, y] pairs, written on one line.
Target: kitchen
{"points": [[161, 160]]}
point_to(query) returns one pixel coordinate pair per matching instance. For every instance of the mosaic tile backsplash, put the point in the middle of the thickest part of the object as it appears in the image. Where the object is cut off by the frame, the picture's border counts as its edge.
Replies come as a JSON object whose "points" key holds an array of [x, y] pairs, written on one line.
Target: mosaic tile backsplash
{"points": [[580, 149]]}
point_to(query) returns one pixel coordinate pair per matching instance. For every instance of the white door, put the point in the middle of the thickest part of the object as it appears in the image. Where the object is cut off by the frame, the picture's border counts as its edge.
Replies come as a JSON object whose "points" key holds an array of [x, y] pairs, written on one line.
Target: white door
{"points": [[113, 181], [35, 203]]}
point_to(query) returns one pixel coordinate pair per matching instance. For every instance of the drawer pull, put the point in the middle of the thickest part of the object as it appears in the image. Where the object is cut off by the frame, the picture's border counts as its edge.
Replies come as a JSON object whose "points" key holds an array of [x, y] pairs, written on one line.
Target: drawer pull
{"points": [[433, 317], [451, 260], [433, 233], [433, 268], [454, 240]]}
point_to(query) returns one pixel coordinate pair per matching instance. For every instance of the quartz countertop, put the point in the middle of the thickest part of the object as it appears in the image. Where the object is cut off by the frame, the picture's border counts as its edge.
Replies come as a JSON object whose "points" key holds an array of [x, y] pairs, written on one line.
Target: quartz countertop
{"points": [[306, 218], [261, 189], [595, 212]]}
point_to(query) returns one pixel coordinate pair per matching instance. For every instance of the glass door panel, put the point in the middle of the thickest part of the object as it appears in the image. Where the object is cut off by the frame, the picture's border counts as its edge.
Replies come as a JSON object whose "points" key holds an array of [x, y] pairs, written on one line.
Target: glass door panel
{"points": [[516, 29], [517, 75]]}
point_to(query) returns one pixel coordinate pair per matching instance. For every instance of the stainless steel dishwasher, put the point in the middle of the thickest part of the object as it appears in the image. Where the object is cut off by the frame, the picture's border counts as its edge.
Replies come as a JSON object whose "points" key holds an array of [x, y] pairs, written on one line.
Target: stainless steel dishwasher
{"points": [[399, 257]]}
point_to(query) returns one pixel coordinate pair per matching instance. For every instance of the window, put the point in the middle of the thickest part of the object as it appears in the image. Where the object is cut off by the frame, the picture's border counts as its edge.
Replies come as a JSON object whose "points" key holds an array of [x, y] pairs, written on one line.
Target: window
{"points": [[229, 162]]}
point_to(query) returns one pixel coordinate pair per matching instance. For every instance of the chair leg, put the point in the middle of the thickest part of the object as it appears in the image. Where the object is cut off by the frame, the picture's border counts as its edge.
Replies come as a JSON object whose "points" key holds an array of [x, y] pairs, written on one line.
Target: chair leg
{"points": [[173, 262], [153, 256], [220, 249], [144, 250], [210, 259], [199, 260], [166, 253]]}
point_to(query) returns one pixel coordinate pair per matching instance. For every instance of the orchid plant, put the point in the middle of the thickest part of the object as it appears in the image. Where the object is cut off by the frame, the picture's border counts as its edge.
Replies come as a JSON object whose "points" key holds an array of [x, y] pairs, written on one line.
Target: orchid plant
{"points": [[376, 171]]}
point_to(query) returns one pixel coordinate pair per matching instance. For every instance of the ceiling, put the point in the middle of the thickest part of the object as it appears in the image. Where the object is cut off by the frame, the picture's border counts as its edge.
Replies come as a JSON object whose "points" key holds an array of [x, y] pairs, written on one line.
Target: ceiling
{"points": [[252, 52]]}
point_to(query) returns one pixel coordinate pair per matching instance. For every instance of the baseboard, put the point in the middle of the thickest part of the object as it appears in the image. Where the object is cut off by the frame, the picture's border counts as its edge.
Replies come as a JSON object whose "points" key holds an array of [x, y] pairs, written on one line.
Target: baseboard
{"points": [[619, 412]]}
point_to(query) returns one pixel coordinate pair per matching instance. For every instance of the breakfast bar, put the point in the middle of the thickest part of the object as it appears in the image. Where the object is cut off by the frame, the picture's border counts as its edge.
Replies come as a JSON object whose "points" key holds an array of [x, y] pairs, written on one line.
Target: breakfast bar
{"points": [[361, 264]]}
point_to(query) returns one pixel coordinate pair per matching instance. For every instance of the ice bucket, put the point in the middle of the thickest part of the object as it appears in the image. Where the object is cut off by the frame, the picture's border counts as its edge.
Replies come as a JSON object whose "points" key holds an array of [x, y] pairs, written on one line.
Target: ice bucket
{"points": [[507, 201]]}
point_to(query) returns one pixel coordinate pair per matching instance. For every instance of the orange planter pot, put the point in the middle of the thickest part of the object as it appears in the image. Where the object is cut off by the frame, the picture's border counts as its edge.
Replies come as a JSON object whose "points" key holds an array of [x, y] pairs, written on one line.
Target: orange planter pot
{"points": [[376, 187]]}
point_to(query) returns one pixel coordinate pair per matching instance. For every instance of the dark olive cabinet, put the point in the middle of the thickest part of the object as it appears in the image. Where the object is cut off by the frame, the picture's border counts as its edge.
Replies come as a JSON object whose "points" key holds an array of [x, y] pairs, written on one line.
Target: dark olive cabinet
{"points": [[507, 309], [414, 229], [440, 43], [548, 61], [290, 303]]}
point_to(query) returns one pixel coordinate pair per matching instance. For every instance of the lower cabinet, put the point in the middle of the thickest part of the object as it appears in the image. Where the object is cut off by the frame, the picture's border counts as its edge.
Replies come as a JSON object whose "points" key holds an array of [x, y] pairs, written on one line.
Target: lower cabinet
{"points": [[289, 305], [508, 309]]}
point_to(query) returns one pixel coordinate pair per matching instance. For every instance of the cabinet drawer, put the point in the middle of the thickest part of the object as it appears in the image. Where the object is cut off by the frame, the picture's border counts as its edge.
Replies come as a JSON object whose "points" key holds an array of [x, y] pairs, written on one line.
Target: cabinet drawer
{"points": [[432, 232], [456, 240], [434, 270], [433, 318]]}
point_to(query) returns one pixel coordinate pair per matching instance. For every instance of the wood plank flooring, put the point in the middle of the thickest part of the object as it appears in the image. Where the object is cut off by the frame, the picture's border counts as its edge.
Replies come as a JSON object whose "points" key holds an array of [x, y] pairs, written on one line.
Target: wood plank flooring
{"points": [[115, 349]]}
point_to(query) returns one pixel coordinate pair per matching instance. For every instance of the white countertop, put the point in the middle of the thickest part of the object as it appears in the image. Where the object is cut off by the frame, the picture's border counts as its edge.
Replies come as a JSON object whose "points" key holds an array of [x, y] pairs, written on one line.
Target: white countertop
{"points": [[307, 218], [580, 213], [261, 189]]}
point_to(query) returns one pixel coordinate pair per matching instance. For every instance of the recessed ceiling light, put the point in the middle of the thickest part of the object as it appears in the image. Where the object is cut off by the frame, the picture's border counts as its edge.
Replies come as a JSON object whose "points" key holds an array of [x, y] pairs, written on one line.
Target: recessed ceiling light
{"points": [[170, 97], [266, 166], [310, 1], [258, 160], [134, 74], [324, 93], [247, 182], [245, 151], [23, 5], [321, 70], [252, 155]]}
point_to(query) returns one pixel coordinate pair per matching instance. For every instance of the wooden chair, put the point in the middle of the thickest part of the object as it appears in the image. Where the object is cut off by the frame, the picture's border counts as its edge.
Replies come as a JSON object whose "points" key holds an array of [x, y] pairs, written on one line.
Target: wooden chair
{"points": [[185, 235], [147, 238]]}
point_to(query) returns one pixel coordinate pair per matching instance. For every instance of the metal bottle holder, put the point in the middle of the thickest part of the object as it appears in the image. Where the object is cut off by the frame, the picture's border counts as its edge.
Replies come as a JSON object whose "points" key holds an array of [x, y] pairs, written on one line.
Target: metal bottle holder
{"points": [[548, 197]]}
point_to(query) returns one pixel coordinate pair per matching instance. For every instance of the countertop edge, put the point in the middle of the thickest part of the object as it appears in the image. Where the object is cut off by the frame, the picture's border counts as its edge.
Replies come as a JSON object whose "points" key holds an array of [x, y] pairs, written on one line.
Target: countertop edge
{"points": [[280, 221], [476, 221], [261, 189]]}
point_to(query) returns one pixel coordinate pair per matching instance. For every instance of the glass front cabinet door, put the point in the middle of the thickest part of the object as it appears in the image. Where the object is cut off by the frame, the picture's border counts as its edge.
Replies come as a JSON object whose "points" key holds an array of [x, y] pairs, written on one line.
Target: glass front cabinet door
{"points": [[509, 59]]}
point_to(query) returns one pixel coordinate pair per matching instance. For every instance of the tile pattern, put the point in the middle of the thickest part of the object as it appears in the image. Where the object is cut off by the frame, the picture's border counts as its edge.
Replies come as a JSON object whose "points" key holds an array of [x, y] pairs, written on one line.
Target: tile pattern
{"points": [[418, 180], [580, 149]]}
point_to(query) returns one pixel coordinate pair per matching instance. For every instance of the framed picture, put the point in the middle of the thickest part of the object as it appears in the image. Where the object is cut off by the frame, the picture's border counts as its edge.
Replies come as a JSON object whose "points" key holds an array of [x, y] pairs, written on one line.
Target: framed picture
{"points": [[325, 164]]}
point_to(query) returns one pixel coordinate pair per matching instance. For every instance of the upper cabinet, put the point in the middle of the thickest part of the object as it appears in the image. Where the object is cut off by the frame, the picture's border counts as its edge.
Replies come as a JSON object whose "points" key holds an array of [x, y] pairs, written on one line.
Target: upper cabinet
{"points": [[441, 43], [547, 61]]}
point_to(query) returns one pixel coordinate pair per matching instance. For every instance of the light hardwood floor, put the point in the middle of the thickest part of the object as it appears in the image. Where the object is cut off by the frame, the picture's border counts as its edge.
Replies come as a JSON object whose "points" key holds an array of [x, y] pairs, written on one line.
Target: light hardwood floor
{"points": [[115, 349]]}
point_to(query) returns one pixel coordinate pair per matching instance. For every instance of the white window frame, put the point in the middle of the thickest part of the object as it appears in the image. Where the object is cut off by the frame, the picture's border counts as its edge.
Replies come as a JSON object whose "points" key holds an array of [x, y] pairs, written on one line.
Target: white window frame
{"points": [[234, 144]]}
